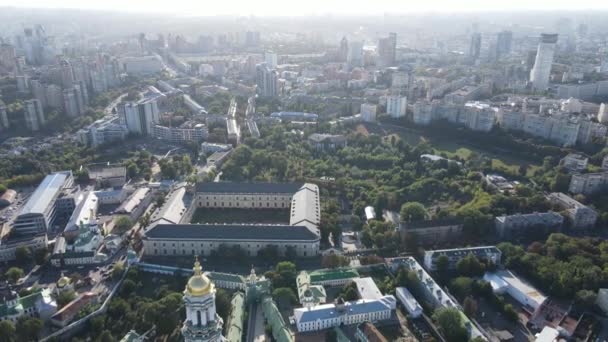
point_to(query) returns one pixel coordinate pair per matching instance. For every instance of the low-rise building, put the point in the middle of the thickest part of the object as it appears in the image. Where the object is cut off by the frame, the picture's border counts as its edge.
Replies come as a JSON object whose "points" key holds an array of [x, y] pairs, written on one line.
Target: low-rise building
{"points": [[195, 133], [431, 231], [64, 316], [326, 142], [9, 245], [295, 116], [580, 215], [309, 295], [234, 323], [602, 299], [39, 304], [333, 277], [575, 162], [489, 253], [408, 301], [367, 332], [107, 175], [528, 296], [518, 225], [588, 183], [103, 131], [135, 205]]}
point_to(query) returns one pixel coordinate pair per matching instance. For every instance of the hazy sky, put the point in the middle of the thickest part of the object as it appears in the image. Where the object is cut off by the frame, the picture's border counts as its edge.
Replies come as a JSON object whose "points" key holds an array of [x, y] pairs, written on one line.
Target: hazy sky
{"points": [[305, 7]]}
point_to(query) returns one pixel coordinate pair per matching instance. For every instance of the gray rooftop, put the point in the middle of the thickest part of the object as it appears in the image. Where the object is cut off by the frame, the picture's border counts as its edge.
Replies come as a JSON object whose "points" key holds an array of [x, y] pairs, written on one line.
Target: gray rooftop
{"points": [[248, 188], [45, 193], [231, 232]]}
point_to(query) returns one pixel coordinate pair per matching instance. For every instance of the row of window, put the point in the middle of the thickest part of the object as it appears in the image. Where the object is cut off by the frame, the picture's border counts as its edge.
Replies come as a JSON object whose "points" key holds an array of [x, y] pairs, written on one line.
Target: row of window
{"points": [[245, 198], [351, 319], [208, 204], [165, 252]]}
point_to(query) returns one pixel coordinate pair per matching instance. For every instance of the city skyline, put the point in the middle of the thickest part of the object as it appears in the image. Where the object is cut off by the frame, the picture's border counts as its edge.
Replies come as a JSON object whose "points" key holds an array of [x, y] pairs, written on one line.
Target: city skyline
{"points": [[313, 7]]}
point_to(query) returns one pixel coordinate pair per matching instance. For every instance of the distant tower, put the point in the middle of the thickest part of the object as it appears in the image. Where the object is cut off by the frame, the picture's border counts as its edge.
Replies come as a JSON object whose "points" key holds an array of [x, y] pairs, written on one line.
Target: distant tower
{"points": [[602, 115], [504, 40], [475, 46], [540, 73], [343, 51], [202, 323], [142, 43], [67, 74]]}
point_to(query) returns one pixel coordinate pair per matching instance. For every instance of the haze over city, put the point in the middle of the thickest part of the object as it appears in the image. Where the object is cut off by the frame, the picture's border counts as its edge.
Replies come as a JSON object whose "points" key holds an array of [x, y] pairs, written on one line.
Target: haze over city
{"points": [[251, 171]]}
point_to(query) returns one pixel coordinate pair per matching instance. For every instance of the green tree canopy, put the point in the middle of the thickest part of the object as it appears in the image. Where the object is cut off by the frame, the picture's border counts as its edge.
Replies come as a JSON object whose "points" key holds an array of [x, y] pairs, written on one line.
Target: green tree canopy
{"points": [[412, 211]]}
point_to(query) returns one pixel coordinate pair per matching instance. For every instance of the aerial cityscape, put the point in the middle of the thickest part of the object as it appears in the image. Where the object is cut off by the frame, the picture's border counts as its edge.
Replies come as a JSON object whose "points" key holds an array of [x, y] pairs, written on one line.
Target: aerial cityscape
{"points": [[267, 171]]}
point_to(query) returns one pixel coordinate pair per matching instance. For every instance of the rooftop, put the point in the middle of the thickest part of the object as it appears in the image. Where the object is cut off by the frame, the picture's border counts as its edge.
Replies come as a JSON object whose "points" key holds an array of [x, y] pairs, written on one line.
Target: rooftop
{"points": [[248, 188], [230, 232], [367, 288], [333, 274], [45, 193], [328, 311]]}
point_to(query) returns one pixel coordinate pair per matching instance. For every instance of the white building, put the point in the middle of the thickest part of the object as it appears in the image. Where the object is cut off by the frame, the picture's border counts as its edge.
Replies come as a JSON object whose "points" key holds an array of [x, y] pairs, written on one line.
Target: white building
{"points": [[202, 323], [368, 112], [479, 116], [602, 299], [34, 115], [580, 215], [517, 225], [541, 71], [103, 131], [528, 296], [9, 246], [196, 133], [575, 162], [602, 114], [409, 302], [142, 65], [588, 183], [423, 113], [325, 316], [489, 253], [271, 59], [142, 116], [396, 106]]}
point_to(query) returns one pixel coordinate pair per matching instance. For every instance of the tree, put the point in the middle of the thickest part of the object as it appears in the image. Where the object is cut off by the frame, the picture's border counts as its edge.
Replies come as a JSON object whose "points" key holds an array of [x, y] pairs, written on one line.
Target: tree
{"points": [[412, 211], [7, 331], [14, 274], [450, 322], [106, 336], [442, 264], [123, 224], [334, 260], [23, 255], [41, 256], [2, 188], [349, 292], [470, 306], [585, 299], [28, 328], [461, 287], [510, 313], [65, 297], [470, 266], [117, 270], [222, 304], [285, 297]]}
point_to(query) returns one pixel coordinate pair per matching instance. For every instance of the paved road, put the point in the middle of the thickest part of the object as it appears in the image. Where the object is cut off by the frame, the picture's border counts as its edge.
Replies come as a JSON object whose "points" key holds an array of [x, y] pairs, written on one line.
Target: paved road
{"points": [[108, 109]]}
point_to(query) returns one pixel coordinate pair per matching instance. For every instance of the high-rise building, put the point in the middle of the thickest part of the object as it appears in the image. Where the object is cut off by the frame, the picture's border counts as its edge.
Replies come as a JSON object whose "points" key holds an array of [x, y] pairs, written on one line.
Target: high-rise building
{"points": [[396, 106], [202, 323], [541, 71], [267, 80], [38, 91], [141, 116], [70, 102], [271, 59], [504, 40], [67, 74], [3, 116], [602, 114], [23, 84], [355, 54], [34, 115], [7, 56], [368, 112], [475, 45], [343, 50], [387, 50]]}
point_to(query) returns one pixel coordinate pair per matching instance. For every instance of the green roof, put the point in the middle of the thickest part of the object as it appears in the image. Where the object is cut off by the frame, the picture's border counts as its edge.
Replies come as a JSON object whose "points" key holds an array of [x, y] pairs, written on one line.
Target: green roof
{"points": [[218, 276], [235, 321], [22, 304], [273, 316], [131, 336], [339, 273]]}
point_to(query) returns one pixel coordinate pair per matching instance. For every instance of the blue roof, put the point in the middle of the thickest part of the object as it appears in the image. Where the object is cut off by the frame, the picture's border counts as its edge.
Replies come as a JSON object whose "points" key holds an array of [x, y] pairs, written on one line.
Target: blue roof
{"points": [[255, 232], [45, 193]]}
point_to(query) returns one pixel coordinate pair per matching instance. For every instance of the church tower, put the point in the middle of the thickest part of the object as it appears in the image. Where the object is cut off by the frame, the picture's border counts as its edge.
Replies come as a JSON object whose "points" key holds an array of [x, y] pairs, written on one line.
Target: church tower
{"points": [[202, 323]]}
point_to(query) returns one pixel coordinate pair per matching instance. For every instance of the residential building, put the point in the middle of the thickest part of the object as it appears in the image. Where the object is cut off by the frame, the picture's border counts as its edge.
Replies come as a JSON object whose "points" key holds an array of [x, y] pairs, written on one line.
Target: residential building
{"points": [[141, 116], [354, 58], [431, 232], [196, 108], [295, 116], [34, 115], [70, 102], [207, 147], [9, 245], [326, 142], [387, 50], [408, 301], [143, 65], [103, 131], [602, 114], [504, 281], [106, 174], [396, 106], [368, 112], [540, 73], [588, 183], [38, 213], [479, 116], [423, 113], [433, 293], [575, 162], [602, 299], [605, 163], [579, 215], [271, 59], [475, 46], [504, 40], [267, 80], [196, 133], [519, 225], [487, 253], [4, 124]]}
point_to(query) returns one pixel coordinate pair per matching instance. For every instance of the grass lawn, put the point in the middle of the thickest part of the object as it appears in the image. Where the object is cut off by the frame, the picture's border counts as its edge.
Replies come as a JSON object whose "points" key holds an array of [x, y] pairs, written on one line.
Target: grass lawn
{"points": [[235, 215]]}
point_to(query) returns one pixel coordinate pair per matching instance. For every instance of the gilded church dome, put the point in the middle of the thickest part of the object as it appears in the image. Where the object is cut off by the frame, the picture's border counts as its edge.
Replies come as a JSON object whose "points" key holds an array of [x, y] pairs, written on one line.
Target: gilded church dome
{"points": [[199, 284]]}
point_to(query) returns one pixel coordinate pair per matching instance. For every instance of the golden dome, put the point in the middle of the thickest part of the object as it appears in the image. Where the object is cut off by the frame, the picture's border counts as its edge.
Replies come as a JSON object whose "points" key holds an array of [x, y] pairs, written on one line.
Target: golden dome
{"points": [[63, 281], [199, 284]]}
